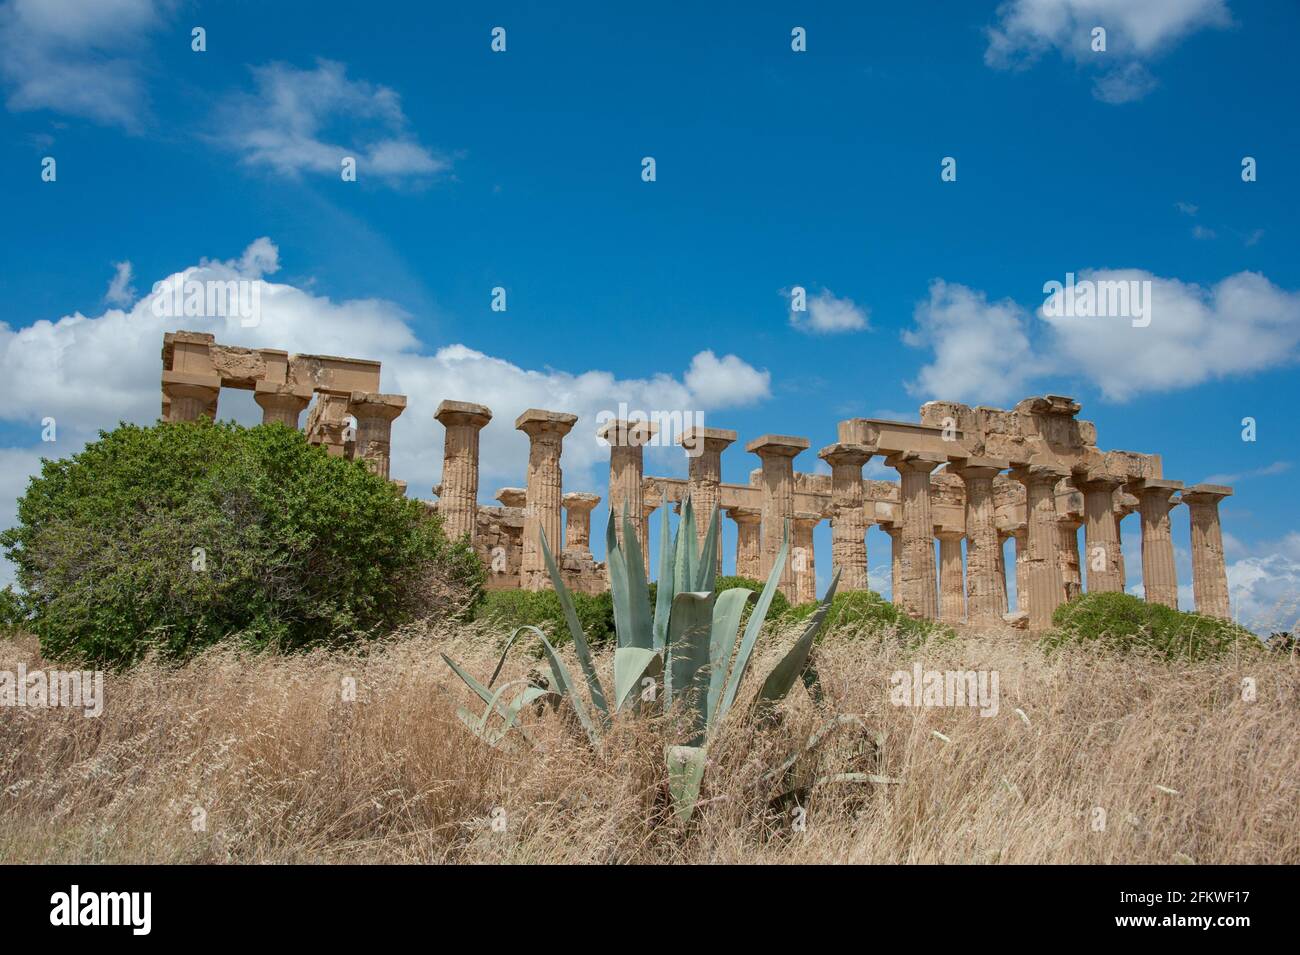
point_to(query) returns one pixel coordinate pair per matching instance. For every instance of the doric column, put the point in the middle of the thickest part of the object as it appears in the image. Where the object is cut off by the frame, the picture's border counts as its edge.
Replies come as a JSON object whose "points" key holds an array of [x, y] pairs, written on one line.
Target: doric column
{"points": [[1125, 504], [327, 422], [375, 415], [649, 504], [627, 441], [749, 545], [513, 501], [704, 447], [952, 600], [986, 582], [1046, 591], [1020, 534], [1004, 604], [895, 532], [546, 431], [848, 516], [777, 452], [1102, 557], [188, 396], [802, 557], [577, 518], [1159, 577], [920, 593], [459, 501], [281, 403], [1209, 573], [1071, 578]]}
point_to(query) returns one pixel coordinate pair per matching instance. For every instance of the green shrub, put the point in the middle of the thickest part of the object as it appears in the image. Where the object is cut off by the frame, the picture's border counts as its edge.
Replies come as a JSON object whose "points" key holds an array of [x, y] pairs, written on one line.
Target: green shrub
{"points": [[177, 536], [12, 616], [779, 607], [1123, 622], [864, 613], [515, 608]]}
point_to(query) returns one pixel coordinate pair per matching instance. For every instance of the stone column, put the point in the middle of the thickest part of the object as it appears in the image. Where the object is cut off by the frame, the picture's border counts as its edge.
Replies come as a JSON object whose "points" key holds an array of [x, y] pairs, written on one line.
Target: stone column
{"points": [[1071, 577], [802, 558], [188, 396], [1209, 573], [704, 447], [281, 403], [848, 516], [1101, 551], [952, 599], [1046, 591], [986, 582], [895, 533], [648, 507], [546, 431], [513, 500], [458, 503], [577, 526], [749, 545], [1125, 504], [375, 415], [1020, 534], [1159, 577], [627, 441], [327, 422], [920, 594], [1004, 604], [777, 452]]}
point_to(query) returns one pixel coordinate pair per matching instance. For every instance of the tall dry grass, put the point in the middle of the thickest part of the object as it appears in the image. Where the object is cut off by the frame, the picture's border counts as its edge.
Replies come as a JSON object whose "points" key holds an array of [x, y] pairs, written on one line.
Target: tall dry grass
{"points": [[286, 771]]}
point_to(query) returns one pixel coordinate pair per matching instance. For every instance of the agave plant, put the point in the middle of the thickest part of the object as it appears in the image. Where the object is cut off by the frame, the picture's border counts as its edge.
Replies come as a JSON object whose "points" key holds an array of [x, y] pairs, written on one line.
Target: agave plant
{"points": [[691, 638]]}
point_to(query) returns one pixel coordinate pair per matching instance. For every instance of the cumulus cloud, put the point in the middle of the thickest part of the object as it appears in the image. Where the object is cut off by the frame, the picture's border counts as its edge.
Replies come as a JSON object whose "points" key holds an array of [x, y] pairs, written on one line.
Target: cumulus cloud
{"points": [[77, 57], [1269, 470], [989, 351], [90, 372], [981, 349], [1135, 34], [306, 121], [1264, 587], [120, 291], [828, 315]]}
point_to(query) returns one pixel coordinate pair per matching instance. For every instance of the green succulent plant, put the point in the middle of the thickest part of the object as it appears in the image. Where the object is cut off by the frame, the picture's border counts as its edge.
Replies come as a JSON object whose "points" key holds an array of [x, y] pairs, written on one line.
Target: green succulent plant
{"points": [[690, 639]]}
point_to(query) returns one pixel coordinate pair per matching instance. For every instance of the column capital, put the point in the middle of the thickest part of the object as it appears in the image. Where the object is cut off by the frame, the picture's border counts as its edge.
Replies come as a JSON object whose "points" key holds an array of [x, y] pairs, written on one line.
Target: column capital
{"points": [[580, 501], [189, 384], [368, 404], [453, 413], [807, 518], [1093, 479], [948, 533], [535, 422], [1199, 494], [697, 440], [1035, 472], [918, 462], [624, 433], [977, 467], [1154, 488], [743, 514], [843, 452], [778, 446], [512, 496]]}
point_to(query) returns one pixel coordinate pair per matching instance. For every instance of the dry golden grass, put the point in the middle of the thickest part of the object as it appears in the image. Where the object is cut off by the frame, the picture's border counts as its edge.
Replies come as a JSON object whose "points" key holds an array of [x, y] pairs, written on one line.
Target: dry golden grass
{"points": [[286, 771]]}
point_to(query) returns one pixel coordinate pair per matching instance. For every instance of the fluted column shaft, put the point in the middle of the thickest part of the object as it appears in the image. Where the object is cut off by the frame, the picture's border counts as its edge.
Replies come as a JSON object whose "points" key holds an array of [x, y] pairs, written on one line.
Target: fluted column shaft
{"points": [[545, 491], [1043, 536], [577, 522], [1102, 555], [1209, 570], [1071, 575], [458, 503], [1159, 575], [627, 441], [1004, 604], [952, 599], [777, 452], [920, 577], [749, 559], [986, 584], [848, 514], [895, 533], [704, 447]]}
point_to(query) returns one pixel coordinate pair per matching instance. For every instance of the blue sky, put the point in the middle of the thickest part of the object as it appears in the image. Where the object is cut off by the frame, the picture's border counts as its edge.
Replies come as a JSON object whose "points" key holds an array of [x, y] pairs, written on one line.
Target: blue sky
{"points": [[774, 169]]}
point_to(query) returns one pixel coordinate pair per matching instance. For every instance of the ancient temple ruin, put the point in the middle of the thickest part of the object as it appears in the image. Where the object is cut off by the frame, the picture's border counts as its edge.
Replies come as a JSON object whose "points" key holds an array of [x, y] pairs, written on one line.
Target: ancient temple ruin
{"points": [[969, 478]]}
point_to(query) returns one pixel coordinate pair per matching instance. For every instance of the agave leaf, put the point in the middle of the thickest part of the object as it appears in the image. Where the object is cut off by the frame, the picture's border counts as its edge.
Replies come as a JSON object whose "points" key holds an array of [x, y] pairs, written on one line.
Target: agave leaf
{"points": [[792, 665], [706, 573], [575, 629], [631, 665], [529, 695], [684, 547], [563, 683], [689, 632], [754, 627], [814, 741], [641, 628], [667, 590], [685, 772], [483, 692], [727, 611], [616, 570]]}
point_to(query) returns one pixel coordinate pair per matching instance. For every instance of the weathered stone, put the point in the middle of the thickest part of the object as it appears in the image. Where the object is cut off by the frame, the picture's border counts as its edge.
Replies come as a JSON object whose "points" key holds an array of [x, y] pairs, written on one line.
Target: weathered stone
{"points": [[546, 431], [1043, 539], [458, 504], [374, 415], [848, 517], [704, 447], [1209, 571], [777, 452], [920, 594], [986, 585], [627, 441], [749, 545], [577, 513], [1159, 575]]}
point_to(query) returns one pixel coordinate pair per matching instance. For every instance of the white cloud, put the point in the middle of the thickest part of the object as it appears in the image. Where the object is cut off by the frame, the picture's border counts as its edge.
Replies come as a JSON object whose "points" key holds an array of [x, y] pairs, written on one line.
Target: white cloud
{"points": [[91, 372], [1135, 33], [988, 352], [981, 349], [1264, 588], [1269, 470], [120, 291], [292, 124], [1202, 232], [78, 57], [829, 315]]}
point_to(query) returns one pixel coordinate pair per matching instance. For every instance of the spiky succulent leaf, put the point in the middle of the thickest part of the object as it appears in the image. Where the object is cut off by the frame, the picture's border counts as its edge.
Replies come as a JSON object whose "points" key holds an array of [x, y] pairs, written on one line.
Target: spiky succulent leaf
{"points": [[684, 545], [685, 772], [706, 572], [792, 665], [667, 588], [631, 666], [638, 591], [483, 692], [575, 629], [727, 611], [563, 683], [689, 635], [753, 628]]}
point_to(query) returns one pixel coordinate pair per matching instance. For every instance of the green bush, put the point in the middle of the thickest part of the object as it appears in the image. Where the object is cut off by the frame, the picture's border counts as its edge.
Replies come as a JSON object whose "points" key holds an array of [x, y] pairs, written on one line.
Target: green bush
{"points": [[1126, 623], [177, 536], [864, 613], [515, 608], [779, 607], [12, 616]]}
